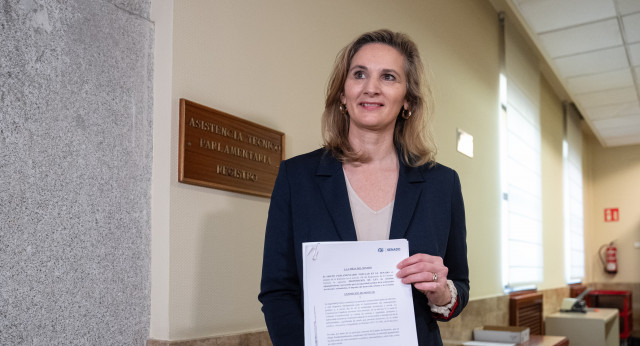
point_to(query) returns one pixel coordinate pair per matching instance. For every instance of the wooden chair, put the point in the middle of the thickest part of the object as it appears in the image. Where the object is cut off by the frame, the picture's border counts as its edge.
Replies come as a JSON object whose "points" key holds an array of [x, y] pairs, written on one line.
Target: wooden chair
{"points": [[525, 310], [576, 289]]}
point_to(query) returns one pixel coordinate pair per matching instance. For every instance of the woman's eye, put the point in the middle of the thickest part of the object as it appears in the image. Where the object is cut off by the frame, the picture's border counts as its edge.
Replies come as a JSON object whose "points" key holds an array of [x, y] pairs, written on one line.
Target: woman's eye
{"points": [[358, 75], [388, 77]]}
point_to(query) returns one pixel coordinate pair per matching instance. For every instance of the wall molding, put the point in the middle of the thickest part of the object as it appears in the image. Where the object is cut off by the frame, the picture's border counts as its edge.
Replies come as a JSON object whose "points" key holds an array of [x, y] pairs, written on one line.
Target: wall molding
{"points": [[258, 338]]}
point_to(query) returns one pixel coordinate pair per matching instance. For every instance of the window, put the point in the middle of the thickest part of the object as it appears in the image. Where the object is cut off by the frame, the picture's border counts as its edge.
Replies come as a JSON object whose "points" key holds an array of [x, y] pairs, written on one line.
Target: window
{"points": [[520, 161], [573, 204], [522, 190]]}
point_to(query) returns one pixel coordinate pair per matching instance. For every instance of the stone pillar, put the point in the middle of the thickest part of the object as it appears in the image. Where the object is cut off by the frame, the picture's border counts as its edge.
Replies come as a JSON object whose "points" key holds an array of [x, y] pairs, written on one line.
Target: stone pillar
{"points": [[75, 169]]}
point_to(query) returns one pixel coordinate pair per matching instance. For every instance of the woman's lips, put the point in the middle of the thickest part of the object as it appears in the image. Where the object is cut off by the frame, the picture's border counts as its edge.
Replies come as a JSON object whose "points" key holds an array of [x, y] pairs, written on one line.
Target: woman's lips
{"points": [[371, 105]]}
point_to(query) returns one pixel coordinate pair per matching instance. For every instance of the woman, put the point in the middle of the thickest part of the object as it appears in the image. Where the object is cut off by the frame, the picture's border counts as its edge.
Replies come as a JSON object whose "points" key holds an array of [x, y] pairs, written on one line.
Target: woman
{"points": [[376, 178]]}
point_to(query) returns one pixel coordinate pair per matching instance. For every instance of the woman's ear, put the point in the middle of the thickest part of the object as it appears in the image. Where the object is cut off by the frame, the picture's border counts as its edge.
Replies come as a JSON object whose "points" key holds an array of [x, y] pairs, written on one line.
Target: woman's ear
{"points": [[343, 99]]}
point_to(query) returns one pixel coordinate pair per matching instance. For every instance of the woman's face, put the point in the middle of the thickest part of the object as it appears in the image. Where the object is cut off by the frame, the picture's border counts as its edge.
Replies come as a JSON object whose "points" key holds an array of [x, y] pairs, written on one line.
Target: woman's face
{"points": [[375, 89]]}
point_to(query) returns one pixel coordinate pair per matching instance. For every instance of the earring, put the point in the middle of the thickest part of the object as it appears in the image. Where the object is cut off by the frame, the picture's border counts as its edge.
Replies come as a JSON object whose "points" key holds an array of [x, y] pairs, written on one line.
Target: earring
{"points": [[343, 109], [406, 114]]}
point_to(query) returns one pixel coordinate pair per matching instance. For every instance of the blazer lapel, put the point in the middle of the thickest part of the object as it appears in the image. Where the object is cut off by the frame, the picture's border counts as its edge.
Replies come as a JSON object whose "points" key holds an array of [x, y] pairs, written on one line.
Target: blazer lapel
{"points": [[330, 177], [407, 194]]}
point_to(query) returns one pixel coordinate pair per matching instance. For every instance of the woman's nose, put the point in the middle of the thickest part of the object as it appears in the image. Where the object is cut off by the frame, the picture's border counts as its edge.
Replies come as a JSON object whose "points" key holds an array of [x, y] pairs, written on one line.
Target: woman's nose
{"points": [[372, 86]]}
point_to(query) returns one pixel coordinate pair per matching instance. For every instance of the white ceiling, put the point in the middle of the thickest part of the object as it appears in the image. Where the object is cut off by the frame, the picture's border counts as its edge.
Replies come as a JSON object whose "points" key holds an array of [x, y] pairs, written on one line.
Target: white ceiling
{"points": [[593, 47]]}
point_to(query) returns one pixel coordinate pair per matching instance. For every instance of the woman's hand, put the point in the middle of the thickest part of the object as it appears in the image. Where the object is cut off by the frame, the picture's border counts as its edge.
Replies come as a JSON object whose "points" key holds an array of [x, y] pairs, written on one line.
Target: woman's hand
{"points": [[421, 270]]}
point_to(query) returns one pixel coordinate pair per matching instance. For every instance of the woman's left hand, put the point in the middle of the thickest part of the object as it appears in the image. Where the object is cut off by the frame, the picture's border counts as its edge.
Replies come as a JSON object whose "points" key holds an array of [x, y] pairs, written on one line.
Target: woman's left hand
{"points": [[421, 270]]}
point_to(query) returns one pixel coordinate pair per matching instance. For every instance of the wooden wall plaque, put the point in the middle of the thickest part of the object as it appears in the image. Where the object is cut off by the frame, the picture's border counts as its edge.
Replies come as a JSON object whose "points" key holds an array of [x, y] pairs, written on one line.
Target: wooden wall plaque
{"points": [[222, 151]]}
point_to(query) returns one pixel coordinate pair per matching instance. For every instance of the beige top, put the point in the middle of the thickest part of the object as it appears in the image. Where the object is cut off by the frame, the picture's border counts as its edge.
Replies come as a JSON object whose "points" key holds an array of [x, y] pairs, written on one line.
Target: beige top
{"points": [[376, 225], [370, 224]]}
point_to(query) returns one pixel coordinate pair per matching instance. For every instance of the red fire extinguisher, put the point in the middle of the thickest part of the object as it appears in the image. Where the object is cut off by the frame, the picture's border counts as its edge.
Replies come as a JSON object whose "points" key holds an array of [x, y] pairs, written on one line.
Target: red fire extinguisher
{"points": [[609, 258]]}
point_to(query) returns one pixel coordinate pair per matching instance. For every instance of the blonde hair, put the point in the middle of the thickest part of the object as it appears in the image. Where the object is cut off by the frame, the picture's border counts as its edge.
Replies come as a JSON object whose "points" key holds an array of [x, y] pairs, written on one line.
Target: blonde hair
{"points": [[412, 136]]}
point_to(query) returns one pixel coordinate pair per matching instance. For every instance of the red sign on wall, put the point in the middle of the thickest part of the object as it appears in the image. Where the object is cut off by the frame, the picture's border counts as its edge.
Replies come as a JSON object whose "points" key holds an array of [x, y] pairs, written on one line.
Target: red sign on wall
{"points": [[611, 215]]}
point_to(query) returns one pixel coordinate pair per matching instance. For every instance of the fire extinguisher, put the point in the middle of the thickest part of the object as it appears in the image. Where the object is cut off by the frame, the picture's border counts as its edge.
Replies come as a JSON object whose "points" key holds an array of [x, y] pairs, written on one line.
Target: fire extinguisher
{"points": [[609, 258]]}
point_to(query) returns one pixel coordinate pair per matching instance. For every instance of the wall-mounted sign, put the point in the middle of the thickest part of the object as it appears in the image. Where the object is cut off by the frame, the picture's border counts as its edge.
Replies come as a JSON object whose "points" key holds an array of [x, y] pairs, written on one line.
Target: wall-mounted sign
{"points": [[465, 143], [611, 215], [225, 152]]}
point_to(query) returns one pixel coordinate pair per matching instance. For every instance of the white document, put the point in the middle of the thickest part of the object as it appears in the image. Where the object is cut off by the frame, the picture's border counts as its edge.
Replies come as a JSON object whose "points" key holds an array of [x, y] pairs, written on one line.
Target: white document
{"points": [[352, 296]]}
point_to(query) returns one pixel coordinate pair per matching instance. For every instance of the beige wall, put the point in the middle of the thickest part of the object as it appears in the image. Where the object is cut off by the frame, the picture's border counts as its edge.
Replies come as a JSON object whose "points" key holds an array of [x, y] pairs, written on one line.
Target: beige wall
{"points": [[268, 62], [612, 180], [551, 123], [162, 16]]}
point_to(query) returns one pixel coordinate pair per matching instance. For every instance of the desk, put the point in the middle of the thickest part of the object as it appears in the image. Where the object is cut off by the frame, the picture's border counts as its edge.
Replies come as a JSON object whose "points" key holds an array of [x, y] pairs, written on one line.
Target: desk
{"points": [[599, 327], [534, 340], [547, 340]]}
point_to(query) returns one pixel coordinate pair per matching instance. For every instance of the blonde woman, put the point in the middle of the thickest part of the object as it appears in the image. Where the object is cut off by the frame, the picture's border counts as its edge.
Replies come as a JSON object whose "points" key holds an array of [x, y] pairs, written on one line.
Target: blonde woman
{"points": [[375, 178]]}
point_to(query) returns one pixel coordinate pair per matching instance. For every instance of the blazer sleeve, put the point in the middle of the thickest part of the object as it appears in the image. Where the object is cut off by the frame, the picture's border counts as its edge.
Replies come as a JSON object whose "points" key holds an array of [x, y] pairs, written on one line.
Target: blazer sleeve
{"points": [[456, 254], [280, 290]]}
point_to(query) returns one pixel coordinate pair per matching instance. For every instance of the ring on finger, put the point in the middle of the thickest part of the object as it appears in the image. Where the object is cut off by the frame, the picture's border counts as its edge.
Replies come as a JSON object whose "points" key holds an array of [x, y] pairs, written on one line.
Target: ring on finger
{"points": [[435, 277]]}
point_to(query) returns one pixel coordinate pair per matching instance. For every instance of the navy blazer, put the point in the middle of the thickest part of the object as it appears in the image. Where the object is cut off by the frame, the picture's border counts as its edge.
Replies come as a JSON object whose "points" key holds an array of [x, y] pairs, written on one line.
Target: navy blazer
{"points": [[310, 203]]}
